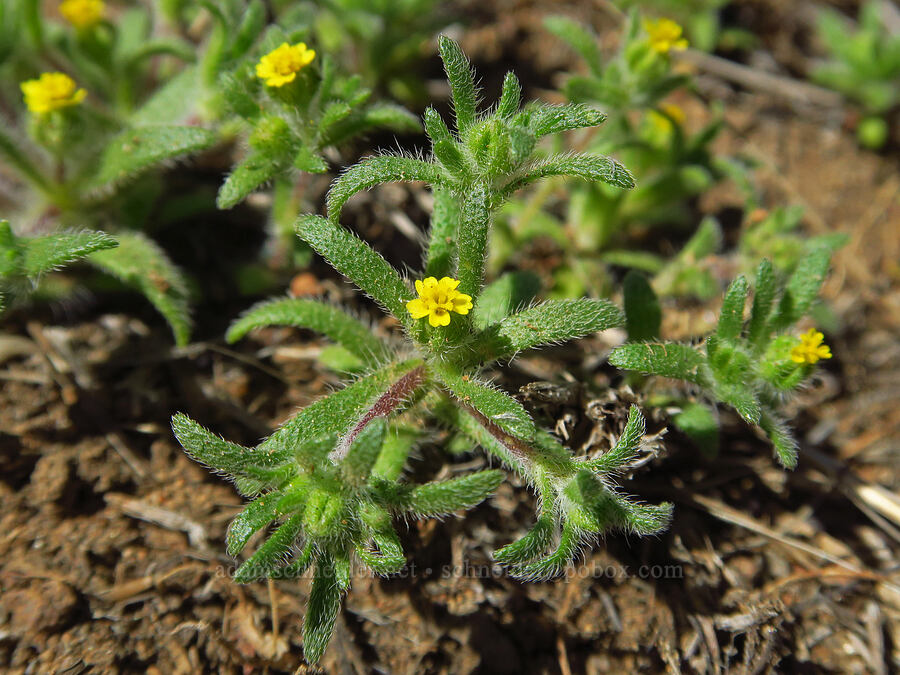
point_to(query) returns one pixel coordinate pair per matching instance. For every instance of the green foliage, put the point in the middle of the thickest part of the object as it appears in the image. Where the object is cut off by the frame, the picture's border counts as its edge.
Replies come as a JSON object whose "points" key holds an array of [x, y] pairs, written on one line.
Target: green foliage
{"points": [[669, 166], [332, 474], [24, 260], [864, 65], [746, 363], [140, 263]]}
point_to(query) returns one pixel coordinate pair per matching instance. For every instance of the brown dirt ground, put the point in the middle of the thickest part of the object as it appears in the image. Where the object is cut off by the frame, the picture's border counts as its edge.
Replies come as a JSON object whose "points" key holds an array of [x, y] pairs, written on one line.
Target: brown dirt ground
{"points": [[111, 554]]}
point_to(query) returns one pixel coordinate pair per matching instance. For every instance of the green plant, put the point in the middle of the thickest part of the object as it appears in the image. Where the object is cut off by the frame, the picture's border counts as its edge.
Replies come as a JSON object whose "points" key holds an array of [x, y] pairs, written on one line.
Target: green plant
{"points": [[671, 166], [864, 65], [750, 365], [24, 260], [382, 40], [331, 475]]}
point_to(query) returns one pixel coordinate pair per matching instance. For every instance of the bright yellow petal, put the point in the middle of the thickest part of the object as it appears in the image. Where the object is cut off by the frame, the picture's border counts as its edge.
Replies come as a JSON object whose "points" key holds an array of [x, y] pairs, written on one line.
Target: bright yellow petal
{"points": [[417, 308], [420, 287], [798, 354], [439, 317]]}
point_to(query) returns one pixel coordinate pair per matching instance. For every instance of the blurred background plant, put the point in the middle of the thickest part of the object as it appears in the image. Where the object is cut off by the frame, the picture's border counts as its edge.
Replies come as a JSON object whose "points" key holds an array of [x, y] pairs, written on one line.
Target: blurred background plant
{"points": [[863, 64]]}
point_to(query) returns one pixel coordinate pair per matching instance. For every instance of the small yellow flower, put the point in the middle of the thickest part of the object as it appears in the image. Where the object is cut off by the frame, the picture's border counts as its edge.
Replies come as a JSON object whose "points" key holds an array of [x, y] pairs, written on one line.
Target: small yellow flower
{"points": [[82, 13], [810, 349], [437, 299], [665, 35], [282, 64], [664, 123], [51, 91]]}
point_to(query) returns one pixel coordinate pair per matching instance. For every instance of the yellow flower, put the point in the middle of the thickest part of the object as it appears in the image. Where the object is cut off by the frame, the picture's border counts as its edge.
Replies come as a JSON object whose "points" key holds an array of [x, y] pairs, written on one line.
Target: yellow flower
{"points": [[82, 13], [665, 35], [437, 299], [282, 64], [51, 91], [810, 349], [664, 123]]}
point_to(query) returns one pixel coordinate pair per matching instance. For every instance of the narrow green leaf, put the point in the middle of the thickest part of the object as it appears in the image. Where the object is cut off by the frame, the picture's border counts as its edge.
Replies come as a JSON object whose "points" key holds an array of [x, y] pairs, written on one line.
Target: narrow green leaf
{"points": [[447, 152], [394, 452], [210, 450], [42, 254], [510, 97], [245, 177], [347, 331], [626, 448], [643, 315], [549, 322], [763, 300], [356, 260], [140, 263], [471, 240], [496, 405], [530, 545], [435, 126], [442, 497], [464, 95], [442, 239], [667, 359], [373, 171], [731, 319], [255, 516], [363, 452], [588, 167], [274, 552], [802, 288], [554, 563], [779, 433], [744, 401], [321, 610], [335, 413], [138, 149], [552, 119], [389, 558], [511, 292]]}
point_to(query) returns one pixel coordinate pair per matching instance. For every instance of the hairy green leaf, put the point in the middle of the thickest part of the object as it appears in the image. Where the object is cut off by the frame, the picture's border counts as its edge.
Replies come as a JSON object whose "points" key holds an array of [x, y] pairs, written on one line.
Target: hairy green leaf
{"points": [[510, 97], [667, 359], [335, 413], [138, 149], [356, 260], [442, 239], [549, 322], [763, 300], [626, 448], [255, 516], [779, 433], [42, 254], [802, 288], [274, 552], [731, 319], [321, 610], [497, 406], [245, 177], [347, 331], [472, 239], [529, 546], [373, 171], [588, 167], [209, 449], [140, 263], [464, 94], [442, 497], [552, 119]]}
